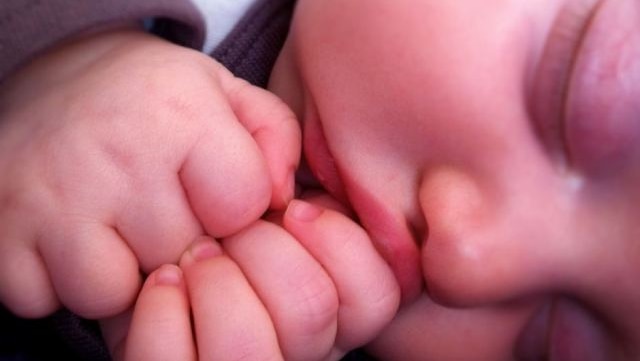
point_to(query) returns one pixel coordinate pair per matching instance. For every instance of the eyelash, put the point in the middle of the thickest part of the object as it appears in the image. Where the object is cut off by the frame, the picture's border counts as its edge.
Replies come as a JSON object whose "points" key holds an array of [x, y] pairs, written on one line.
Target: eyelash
{"points": [[562, 48], [572, 29]]}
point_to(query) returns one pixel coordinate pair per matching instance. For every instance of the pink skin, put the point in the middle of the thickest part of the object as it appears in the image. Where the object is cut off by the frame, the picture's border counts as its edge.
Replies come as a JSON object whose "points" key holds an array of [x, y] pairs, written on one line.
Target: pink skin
{"points": [[117, 149], [490, 149]]}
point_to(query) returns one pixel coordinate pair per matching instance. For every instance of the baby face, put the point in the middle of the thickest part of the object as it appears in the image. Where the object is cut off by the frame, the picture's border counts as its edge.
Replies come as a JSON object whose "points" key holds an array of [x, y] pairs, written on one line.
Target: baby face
{"points": [[491, 149]]}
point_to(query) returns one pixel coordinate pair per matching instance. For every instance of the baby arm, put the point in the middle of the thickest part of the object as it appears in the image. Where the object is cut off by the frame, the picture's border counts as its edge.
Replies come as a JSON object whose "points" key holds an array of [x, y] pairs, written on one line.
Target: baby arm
{"points": [[265, 295], [117, 150]]}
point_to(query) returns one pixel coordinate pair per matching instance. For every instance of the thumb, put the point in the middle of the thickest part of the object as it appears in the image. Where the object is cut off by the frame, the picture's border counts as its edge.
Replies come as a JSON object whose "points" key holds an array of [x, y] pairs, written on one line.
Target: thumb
{"points": [[274, 128]]}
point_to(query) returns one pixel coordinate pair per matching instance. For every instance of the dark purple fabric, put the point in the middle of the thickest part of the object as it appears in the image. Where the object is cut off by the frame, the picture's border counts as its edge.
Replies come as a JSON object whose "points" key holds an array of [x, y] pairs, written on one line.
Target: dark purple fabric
{"points": [[29, 27], [253, 46], [81, 337], [30, 340]]}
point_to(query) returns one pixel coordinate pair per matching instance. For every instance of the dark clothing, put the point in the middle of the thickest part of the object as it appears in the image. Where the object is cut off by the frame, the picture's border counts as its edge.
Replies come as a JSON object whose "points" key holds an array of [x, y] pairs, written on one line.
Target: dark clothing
{"points": [[30, 27], [253, 46]]}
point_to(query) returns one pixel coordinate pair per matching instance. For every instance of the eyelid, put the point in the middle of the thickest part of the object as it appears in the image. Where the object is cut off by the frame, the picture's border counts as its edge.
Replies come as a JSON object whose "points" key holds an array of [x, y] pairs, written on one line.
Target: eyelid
{"points": [[601, 114], [554, 74]]}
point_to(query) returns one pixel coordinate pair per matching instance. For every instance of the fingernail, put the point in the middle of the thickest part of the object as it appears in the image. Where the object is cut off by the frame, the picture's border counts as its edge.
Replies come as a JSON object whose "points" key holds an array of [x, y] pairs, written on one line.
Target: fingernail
{"points": [[169, 275], [303, 211], [200, 250], [205, 249]]}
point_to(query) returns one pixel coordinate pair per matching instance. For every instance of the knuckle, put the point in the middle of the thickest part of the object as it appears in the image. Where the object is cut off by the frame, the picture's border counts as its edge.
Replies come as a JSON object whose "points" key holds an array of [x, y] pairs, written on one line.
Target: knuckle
{"points": [[101, 303], [100, 295], [23, 288], [33, 306], [241, 207], [316, 306], [28, 300], [384, 302]]}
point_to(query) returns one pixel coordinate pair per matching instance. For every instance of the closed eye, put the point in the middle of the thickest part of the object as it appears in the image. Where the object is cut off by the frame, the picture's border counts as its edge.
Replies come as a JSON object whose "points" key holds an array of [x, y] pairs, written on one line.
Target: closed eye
{"points": [[601, 121], [554, 74]]}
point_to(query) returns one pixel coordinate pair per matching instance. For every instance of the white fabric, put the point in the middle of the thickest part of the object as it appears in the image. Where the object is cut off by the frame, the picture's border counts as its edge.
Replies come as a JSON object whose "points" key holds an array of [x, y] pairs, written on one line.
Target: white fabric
{"points": [[220, 17]]}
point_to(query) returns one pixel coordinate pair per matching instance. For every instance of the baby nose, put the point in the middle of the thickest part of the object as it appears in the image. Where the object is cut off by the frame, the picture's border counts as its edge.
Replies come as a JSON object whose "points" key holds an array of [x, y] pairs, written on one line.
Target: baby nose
{"points": [[485, 247]]}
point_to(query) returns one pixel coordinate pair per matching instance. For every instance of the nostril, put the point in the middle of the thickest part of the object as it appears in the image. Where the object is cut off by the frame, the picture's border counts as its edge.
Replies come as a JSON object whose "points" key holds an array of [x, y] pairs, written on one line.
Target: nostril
{"points": [[478, 264], [454, 215], [419, 229], [452, 205], [481, 248]]}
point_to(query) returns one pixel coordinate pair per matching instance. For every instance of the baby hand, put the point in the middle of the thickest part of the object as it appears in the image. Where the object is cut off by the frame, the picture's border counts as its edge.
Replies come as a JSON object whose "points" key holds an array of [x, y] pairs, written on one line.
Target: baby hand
{"points": [[262, 295], [116, 152]]}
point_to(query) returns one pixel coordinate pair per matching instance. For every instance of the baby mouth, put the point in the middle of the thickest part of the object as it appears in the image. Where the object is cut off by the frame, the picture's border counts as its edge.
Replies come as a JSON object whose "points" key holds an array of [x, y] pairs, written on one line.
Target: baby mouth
{"points": [[390, 234], [392, 238], [321, 161]]}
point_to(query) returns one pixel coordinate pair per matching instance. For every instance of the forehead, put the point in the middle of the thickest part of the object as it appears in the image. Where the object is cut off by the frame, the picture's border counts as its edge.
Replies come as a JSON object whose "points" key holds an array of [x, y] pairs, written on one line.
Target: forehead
{"points": [[381, 36], [404, 47], [380, 16]]}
